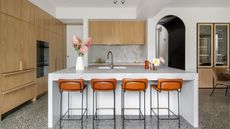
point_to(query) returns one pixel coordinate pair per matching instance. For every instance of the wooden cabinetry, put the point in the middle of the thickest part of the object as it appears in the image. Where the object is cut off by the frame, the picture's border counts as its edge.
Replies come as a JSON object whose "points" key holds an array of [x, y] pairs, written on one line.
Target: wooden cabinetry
{"points": [[28, 11], [11, 7], [117, 32], [213, 50], [22, 24], [10, 43]]}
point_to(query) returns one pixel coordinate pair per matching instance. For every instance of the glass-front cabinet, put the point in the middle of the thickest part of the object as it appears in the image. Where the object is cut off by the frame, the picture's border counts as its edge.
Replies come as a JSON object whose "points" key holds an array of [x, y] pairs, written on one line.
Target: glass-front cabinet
{"points": [[213, 45], [221, 47], [205, 45]]}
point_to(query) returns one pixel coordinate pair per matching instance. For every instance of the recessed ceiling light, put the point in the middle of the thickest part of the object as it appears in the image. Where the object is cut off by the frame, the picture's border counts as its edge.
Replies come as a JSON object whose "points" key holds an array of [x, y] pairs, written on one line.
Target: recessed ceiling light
{"points": [[114, 1], [122, 1]]}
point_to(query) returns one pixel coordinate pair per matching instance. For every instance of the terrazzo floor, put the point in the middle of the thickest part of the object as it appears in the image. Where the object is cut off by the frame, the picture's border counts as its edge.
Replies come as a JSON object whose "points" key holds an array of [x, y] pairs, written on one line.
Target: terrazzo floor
{"points": [[214, 113]]}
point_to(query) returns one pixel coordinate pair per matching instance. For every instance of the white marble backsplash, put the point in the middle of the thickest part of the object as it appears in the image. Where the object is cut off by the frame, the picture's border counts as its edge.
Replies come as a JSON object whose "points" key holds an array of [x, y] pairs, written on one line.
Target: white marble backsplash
{"points": [[121, 53]]}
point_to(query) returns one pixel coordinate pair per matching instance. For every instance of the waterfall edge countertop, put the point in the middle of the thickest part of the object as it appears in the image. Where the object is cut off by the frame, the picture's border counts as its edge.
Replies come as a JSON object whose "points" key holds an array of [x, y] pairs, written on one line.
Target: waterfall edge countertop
{"points": [[129, 71], [188, 95]]}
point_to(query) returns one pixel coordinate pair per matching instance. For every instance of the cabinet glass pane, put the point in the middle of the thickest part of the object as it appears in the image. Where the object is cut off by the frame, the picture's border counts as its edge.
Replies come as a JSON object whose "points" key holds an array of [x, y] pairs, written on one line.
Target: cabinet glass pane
{"points": [[221, 47], [205, 45]]}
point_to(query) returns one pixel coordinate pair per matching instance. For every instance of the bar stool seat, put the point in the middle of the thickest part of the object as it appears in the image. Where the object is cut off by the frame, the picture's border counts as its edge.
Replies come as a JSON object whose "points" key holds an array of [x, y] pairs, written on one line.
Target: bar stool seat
{"points": [[104, 85], [166, 85], [133, 85], [73, 85]]}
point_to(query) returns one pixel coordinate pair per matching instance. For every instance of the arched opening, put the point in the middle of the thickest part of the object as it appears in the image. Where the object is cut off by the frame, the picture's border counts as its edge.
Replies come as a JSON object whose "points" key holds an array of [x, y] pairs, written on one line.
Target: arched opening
{"points": [[171, 41]]}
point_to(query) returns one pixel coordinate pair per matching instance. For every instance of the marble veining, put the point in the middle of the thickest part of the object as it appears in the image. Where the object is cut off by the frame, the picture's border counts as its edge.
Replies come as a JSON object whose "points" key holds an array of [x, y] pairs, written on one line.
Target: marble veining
{"points": [[121, 53]]}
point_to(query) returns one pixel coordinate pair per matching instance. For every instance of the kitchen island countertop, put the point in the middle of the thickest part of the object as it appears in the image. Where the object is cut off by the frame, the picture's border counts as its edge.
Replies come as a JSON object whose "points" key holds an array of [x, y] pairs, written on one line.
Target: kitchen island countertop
{"points": [[189, 94]]}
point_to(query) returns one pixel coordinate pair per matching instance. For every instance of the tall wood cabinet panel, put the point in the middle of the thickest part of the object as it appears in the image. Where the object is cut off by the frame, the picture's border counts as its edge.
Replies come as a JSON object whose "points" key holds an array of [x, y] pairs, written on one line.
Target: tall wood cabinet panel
{"points": [[28, 11], [117, 32], [12, 7], [10, 43], [29, 44]]}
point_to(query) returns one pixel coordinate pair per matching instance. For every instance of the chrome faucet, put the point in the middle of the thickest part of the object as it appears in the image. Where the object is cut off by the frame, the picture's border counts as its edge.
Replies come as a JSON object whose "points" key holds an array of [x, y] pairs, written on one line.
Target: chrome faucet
{"points": [[110, 53]]}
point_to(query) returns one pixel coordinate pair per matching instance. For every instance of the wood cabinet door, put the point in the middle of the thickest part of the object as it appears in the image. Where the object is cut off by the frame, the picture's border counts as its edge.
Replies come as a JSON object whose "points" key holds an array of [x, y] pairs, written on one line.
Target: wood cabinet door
{"points": [[11, 7], [28, 11], [52, 53], [11, 33], [28, 47], [117, 32], [205, 78]]}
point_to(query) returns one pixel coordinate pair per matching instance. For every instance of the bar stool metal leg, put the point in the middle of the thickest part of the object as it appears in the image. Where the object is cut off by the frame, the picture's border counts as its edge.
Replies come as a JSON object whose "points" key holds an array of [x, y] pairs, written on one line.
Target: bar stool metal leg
{"points": [[178, 107], [168, 104], [87, 102], [114, 108], [93, 109], [158, 110], [68, 104], [151, 102], [82, 104], [144, 112], [139, 104], [60, 110], [96, 105], [123, 109]]}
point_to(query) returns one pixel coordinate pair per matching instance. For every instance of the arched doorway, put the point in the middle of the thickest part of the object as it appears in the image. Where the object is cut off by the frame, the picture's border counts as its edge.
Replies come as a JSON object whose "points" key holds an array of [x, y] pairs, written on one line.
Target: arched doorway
{"points": [[171, 41]]}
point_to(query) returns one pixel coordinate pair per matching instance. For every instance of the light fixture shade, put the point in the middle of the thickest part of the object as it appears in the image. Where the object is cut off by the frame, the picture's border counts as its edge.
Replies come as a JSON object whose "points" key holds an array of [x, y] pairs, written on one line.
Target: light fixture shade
{"points": [[114, 1], [122, 1]]}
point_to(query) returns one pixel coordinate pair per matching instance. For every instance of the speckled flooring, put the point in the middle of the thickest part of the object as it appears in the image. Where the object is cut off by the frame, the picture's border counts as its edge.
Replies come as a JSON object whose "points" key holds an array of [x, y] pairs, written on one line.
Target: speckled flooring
{"points": [[214, 113]]}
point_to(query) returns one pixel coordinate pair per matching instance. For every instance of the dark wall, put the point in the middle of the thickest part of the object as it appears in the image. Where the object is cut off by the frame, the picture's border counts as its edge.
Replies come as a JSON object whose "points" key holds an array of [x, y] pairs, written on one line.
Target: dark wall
{"points": [[176, 46]]}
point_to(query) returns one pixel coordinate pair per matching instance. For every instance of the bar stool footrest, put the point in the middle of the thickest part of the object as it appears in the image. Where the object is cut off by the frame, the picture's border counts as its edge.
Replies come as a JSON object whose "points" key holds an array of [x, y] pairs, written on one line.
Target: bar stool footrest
{"points": [[175, 117]]}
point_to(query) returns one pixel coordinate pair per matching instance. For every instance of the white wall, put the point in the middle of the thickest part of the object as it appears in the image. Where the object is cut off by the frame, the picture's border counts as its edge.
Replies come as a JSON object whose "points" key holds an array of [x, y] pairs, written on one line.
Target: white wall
{"points": [[96, 13], [71, 54], [190, 17]]}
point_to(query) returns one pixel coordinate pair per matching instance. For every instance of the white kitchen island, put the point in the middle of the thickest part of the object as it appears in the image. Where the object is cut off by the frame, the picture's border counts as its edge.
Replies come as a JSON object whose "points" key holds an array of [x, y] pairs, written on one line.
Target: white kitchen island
{"points": [[188, 95]]}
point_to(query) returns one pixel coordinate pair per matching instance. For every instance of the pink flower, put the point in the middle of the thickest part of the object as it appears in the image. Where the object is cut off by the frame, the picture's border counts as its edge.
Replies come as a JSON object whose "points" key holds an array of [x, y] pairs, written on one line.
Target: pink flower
{"points": [[162, 60], [76, 41], [83, 49], [88, 42]]}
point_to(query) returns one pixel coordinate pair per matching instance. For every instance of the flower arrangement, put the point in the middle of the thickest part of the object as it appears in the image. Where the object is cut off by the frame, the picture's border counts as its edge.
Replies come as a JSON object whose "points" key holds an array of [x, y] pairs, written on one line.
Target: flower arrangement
{"points": [[158, 61], [80, 46]]}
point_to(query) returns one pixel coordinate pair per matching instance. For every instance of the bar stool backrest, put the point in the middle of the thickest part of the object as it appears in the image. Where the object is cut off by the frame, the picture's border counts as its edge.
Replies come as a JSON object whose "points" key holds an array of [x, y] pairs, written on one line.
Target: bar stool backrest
{"points": [[169, 84], [218, 74], [71, 84], [135, 84], [104, 84]]}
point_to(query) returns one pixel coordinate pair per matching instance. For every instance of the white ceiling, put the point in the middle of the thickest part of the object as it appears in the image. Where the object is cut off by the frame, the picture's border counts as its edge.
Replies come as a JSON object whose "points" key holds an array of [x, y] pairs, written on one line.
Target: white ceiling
{"points": [[93, 3]]}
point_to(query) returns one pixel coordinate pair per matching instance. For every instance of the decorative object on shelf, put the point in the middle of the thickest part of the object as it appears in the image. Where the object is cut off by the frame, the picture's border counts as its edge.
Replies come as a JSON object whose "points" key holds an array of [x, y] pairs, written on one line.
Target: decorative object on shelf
{"points": [[156, 62], [147, 64], [116, 1], [81, 47]]}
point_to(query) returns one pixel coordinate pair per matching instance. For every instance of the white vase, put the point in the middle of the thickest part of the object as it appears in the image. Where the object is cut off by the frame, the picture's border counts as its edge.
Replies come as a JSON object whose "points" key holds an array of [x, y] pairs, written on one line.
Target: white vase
{"points": [[79, 64]]}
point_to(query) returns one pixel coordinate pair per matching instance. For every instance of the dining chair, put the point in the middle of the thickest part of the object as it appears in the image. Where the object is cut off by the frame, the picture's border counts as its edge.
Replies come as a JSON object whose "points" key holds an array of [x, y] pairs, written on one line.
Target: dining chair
{"points": [[221, 78]]}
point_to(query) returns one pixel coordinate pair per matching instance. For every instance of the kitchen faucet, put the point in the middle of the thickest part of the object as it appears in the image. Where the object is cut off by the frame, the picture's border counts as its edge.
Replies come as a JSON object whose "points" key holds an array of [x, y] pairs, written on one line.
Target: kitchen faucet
{"points": [[110, 53]]}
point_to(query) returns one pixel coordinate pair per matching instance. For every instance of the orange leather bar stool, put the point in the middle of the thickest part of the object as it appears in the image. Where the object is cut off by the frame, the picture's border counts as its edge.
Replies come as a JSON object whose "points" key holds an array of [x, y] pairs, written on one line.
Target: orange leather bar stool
{"points": [[73, 85], [133, 85], [166, 85], [104, 85]]}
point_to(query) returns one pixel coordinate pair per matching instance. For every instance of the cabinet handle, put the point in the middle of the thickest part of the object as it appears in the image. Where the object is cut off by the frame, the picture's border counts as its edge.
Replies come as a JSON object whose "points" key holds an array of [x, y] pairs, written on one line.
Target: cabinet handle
{"points": [[20, 65], [19, 87], [17, 72]]}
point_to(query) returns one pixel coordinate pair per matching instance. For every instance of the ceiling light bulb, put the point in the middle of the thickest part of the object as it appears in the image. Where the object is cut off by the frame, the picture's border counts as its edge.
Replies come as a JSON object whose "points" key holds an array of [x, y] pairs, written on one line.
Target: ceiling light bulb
{"points": [[122, 1], [114, 1]]}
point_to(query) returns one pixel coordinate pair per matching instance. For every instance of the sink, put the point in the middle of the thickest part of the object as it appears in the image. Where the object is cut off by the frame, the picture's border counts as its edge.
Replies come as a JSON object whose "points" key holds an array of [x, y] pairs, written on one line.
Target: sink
{"points": [[115, 67]]}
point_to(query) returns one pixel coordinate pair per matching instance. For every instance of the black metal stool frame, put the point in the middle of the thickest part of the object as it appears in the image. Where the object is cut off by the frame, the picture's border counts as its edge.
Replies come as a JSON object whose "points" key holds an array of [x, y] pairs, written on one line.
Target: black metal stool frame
{"points": [[113, 108], [141, 115], [84, 111], [176, 117]]}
